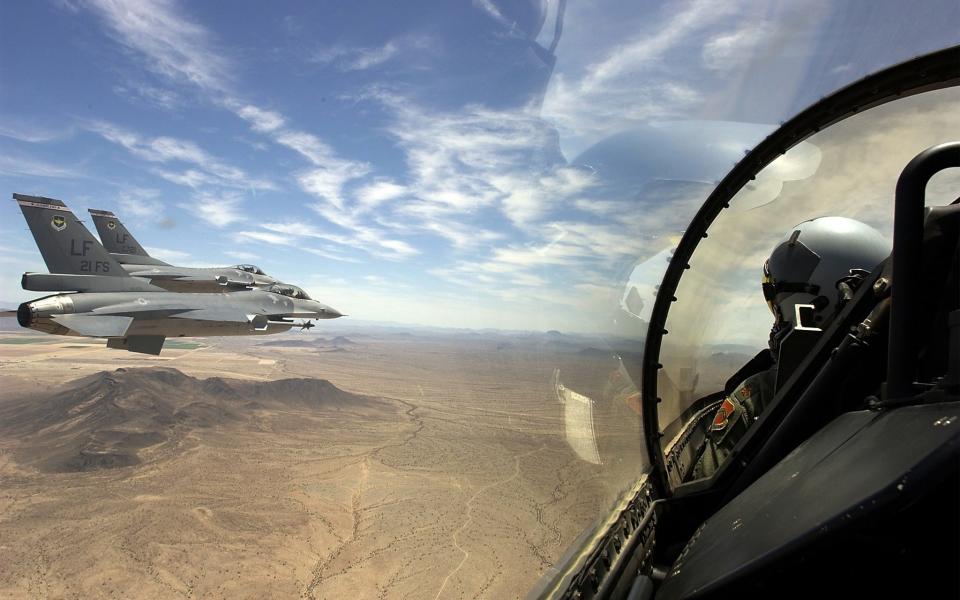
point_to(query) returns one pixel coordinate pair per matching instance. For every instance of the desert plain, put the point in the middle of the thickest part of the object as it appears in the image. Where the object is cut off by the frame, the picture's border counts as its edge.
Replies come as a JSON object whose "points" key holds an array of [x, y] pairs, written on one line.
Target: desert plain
{"points": [[351, 461]]}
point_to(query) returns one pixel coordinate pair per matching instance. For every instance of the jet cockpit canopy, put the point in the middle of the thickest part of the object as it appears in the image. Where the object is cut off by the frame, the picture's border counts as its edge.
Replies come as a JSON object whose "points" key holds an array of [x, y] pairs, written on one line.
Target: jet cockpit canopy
{"points": [[291, 291], [250, 269]]}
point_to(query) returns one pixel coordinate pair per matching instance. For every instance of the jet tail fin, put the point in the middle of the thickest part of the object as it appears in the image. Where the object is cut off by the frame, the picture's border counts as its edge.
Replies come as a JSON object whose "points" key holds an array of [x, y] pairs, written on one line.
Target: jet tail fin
{"points": [[117, 239], [64, 242]]}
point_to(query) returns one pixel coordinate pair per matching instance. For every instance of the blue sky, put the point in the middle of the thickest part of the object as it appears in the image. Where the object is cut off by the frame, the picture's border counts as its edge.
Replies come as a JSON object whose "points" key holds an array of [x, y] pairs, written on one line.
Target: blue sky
{"points": [[413, 162]]}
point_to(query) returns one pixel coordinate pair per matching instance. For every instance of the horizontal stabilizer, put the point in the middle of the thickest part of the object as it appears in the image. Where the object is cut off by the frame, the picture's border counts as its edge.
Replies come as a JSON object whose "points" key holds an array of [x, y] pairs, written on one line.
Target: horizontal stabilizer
{"points": [[95, 325], [144, 344], [64, 282]]}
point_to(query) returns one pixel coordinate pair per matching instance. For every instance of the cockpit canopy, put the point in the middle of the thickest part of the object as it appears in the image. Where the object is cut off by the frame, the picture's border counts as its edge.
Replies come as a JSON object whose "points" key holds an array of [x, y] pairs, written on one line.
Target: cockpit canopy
{"points": [[717, 316], [250, 269], [291, 291]]}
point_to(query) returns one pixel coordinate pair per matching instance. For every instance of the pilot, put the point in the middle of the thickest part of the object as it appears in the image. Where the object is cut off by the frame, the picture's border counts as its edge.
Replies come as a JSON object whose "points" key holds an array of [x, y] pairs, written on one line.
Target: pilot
{"points": [[807, 279]]}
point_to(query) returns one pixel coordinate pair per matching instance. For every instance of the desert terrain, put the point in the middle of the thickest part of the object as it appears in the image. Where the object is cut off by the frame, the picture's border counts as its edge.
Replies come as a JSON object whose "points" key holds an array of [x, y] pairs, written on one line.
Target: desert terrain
{"points": [[343, 462]]}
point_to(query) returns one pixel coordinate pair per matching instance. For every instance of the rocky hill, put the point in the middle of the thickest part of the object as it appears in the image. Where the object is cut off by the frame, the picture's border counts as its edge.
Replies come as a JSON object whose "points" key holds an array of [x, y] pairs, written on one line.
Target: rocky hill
{"points": [[102, 421]]}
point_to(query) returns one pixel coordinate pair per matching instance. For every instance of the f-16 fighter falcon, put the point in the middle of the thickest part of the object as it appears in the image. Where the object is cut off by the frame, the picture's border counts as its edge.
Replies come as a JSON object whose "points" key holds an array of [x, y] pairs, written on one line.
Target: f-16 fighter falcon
{"points": [[133, 313], [119, 242]]}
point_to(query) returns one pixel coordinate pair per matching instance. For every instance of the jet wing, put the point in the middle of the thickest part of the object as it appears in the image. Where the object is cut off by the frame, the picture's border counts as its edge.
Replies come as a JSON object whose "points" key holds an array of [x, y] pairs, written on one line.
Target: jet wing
{"points": [[95, 325]]}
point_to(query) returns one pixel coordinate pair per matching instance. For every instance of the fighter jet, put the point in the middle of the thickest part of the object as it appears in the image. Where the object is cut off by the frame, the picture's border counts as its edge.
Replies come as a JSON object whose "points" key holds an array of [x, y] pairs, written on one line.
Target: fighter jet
{"points": [[135, 260], [131, 312]]}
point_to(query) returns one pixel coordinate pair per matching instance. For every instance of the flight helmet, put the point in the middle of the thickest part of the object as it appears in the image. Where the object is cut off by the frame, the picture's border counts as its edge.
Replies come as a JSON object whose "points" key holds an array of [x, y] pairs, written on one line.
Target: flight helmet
{"points": [[802, 275]]}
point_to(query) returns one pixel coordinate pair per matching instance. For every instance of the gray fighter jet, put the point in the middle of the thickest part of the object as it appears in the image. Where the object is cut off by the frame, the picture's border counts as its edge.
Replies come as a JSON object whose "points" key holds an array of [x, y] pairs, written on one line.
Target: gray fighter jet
{"points": [[119, 242], [131, 312]]}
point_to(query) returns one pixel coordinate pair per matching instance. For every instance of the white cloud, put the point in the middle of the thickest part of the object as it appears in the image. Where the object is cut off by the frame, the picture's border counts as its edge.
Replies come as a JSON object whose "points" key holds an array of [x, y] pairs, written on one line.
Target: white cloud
{"points": [[175, 47], [308, 145], [142, 203], [139, 92], [263, 121], [732, 50], [166, 254], [327, 253], [292, 236], [364, 238], [596, 89], [216, 209], [32, 167], [266, 237], [570, 254], [645, 51], [461, 236], [464, 162], [526, 198], [326, 181], [380, 191], [184, 51], [491, 9], [359, 58], [347, 58], [244, 256], [164, 149], [29, 132]]}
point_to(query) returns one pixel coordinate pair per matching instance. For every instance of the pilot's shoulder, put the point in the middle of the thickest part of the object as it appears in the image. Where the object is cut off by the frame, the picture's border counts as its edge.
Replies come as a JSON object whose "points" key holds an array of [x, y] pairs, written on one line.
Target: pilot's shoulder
{"points": [[757, 384]]}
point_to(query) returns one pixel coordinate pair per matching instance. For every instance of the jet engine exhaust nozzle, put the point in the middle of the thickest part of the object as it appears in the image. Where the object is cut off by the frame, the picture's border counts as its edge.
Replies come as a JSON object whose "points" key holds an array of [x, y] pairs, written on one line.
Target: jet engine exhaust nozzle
{"points": [[24, 315]]}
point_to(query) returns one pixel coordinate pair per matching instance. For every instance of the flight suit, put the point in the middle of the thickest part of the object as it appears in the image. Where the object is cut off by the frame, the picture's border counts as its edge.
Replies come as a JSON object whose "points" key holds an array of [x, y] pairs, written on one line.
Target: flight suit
{"points": [[736, 414]]}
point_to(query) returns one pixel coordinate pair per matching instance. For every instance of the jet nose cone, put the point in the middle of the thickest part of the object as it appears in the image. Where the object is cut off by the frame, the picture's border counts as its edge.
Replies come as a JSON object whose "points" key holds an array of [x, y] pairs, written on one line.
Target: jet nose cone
{"points": [[326, 312]]}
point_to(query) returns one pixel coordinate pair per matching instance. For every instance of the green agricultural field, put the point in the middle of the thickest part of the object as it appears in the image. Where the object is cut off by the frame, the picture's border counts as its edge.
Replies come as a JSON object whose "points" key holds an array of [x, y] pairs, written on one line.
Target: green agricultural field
{"points": [[174, 344]]}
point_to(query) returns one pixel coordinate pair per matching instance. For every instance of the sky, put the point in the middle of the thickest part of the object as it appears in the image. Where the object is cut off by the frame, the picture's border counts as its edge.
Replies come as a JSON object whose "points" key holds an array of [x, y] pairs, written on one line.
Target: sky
{"points": [[451, 164]]}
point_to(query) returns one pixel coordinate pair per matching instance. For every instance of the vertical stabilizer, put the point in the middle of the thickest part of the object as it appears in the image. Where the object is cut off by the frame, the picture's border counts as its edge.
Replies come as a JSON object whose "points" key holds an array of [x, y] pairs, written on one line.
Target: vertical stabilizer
{"points": [[118, 240], [66, 245], [114, 235]]}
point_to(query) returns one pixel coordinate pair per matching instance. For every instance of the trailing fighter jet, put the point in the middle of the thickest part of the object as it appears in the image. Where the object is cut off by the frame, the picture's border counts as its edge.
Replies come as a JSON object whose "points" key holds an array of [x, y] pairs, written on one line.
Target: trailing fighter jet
{"points": [[132, 312], [119, 242]]}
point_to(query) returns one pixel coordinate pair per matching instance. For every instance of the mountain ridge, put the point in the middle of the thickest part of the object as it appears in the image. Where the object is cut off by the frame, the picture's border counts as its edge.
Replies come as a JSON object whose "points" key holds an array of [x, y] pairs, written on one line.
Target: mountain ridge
{"points": [[103, 420]]}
